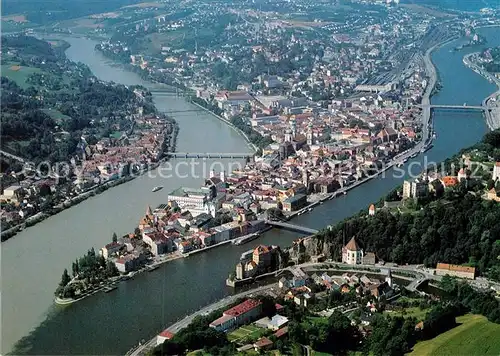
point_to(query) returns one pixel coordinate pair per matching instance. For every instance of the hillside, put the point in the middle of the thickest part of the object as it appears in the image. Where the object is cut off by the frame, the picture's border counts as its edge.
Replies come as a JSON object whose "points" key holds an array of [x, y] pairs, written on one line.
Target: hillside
{"points": [[474, 335], [459, 226]]}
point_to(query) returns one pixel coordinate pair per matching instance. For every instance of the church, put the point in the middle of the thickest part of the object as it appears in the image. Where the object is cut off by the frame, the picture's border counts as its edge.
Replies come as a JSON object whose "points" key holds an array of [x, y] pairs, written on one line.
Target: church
{"points": [[352, 253]]}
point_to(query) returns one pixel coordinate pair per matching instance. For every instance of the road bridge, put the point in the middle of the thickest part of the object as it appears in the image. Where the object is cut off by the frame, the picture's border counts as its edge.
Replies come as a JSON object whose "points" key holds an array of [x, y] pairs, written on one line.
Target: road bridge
{"points": [[454, 107], [209, 155], [292, 227], [416, 283]]}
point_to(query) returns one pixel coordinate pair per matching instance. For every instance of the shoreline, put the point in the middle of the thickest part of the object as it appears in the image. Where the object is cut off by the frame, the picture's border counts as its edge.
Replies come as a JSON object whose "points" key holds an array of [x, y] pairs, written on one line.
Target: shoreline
{"points": [[227, 122], [492, 119]]}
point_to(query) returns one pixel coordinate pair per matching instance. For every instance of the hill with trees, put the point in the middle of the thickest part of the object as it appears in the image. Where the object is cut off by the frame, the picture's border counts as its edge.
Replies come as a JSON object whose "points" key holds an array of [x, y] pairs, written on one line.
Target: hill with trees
{"points": [[49, 102], [457, 226]]}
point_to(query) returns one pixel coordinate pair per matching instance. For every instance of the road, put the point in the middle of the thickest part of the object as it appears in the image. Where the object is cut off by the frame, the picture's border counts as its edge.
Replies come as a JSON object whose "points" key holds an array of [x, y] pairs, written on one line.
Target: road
{"points": [[174, 328], [17, 158]]}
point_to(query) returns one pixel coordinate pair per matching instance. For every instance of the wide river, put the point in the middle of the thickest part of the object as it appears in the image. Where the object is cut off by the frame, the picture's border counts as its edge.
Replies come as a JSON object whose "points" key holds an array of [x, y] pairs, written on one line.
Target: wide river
{"points": [[32, 261]]}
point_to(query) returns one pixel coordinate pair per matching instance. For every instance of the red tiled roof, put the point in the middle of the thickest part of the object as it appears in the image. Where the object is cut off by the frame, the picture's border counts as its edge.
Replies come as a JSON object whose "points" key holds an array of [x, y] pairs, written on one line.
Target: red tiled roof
{"points": [[455, 268], [352, 245], [281, 332], [263, 342], [167, 334], [244, 307]]}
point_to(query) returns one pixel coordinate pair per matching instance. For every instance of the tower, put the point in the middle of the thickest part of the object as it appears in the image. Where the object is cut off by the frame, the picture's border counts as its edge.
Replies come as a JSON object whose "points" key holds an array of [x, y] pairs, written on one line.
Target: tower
{"points": [[305, 179], [388, 279], [310, 134], [293, 127], [288, 135], [223, 176], [212, 173]]}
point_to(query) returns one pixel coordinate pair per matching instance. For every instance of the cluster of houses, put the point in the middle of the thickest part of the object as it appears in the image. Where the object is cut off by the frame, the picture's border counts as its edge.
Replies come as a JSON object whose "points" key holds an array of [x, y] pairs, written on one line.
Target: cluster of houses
{"points": [[434, 182], [94, 164]]}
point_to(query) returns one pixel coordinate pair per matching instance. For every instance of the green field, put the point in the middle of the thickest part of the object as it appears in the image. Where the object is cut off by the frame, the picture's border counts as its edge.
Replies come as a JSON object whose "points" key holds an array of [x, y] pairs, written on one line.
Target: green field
{"points": [[247, 332], [415, 312], [475, 336], [18, 76], [56, 115]]}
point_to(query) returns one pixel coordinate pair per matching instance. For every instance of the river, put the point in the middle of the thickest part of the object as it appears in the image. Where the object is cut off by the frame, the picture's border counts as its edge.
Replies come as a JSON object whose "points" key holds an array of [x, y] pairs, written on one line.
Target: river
{"points": [[33, 260]]}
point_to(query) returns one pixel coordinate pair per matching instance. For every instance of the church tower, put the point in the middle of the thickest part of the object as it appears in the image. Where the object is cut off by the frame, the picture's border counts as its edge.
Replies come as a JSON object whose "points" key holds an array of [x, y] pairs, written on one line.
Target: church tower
{"points": [[293, 127], [310, 134]]}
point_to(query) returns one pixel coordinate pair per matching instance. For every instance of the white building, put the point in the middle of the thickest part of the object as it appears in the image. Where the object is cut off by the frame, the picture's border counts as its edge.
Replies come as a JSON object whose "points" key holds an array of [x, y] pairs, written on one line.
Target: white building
{"points": [[351, 253], [496, 171]]}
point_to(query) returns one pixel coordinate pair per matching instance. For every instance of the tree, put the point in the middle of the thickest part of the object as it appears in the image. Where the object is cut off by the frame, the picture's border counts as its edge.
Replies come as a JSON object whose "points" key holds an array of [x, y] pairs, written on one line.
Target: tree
{"points": [[115, 237], [75, 268], [65, 279]]}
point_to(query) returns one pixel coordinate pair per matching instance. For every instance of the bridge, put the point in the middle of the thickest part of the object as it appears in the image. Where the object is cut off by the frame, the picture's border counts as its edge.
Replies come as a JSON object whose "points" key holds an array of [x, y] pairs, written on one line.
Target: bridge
{"points": [[302, 229], [454, 107], [208, 155], [416, 283], [182, 111]]}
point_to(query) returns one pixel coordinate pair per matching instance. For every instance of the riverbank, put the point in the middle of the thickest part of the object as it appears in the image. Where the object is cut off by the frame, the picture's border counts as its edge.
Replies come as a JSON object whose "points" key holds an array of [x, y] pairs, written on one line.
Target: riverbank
{"points": [[227, 122], [492, 115]]}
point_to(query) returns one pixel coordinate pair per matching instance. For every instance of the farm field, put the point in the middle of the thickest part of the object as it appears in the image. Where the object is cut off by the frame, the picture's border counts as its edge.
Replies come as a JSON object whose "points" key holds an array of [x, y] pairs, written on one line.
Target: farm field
{"points": [[18, 74], [475, 336]]}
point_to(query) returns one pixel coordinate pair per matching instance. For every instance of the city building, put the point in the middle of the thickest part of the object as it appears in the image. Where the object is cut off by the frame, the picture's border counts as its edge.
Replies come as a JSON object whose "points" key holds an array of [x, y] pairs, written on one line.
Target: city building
{"points": [[163, 336], [159, 242], [295, 202], [351, 253], [415, 189], [240, 314], [111, 249], [194, 200], [443, 269]]}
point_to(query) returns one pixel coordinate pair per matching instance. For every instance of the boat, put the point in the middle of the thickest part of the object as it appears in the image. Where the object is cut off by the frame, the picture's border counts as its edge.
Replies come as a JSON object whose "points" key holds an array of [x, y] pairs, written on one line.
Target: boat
{"points": [[345, 193], [152, 268], [155, 189], [245, 239], [310, 209], [414, 155], [399, 164], [109, 288], [405, 160], [331, 197], [428, 147]]}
